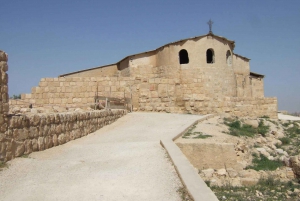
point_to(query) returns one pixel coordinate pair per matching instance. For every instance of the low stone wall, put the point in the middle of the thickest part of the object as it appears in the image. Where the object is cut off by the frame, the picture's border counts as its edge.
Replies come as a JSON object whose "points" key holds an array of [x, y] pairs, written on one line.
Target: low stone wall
{"points": [[38, 132]]}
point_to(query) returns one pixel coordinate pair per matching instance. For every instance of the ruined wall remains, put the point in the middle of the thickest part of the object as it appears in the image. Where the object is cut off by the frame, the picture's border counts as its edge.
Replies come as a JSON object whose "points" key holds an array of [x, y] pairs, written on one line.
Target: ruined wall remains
{"points": [[155, 94], [37, 132]]}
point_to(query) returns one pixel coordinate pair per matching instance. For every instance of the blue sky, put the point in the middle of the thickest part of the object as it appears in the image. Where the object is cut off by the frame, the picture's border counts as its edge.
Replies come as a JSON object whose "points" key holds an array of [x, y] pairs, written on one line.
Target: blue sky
{"points": [[49, 38]]}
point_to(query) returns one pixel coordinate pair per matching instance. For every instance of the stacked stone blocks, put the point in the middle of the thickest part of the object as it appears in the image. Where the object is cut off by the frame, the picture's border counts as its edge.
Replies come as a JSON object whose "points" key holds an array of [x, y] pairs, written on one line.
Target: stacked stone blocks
{"points": [[149, 94], [23, 134], [37, 132]]}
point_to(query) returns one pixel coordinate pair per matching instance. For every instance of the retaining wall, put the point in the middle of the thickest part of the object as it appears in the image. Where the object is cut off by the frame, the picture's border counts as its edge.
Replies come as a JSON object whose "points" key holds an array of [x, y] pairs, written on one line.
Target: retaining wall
{"points": [[37, 132]]}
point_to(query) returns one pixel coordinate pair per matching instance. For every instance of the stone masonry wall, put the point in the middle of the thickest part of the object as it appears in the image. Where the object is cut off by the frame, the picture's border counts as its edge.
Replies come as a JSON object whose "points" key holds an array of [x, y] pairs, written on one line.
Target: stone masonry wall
{"points": [[23, 134], [4, 106], [155, 94], [37, 132]]}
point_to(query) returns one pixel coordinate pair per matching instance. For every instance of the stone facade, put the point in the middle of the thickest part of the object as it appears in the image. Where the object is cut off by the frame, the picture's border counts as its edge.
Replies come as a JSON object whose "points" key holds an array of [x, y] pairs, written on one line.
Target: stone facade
{"points": [[199, 75]]}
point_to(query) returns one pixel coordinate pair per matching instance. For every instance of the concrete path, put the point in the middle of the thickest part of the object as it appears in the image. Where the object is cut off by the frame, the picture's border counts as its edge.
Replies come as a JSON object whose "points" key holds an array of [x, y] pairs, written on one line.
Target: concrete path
{"points": [[122, 161], [288, 117]]}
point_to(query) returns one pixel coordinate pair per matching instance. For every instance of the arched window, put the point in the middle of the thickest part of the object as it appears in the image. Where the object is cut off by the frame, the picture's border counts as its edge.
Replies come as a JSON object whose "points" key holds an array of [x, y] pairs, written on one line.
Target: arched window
{"points": [[228, 58], [183, 57], [210, 56]]}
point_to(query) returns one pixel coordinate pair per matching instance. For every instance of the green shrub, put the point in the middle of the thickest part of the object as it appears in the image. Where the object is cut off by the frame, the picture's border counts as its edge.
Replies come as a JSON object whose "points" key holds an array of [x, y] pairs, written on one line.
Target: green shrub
{"points": [[293, 131], [237, 129], [262, 128], [200, 135], [285, 140], [273, 122], [287, 124], [235, 124], [263, 163], [270, 181]]}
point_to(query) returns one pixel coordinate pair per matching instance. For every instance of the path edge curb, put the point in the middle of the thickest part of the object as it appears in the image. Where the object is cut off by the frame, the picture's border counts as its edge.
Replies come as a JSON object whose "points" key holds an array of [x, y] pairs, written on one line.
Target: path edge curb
{"points": [[196, 187]]}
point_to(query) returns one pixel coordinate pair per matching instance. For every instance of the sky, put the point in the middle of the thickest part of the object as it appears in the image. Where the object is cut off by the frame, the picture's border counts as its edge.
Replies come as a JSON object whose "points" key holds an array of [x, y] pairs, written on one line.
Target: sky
{"points": [[50, 38]]}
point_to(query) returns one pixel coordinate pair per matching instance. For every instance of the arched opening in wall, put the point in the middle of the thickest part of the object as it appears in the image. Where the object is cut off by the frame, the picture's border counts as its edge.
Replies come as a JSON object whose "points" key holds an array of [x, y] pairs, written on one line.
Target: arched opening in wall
{"points": [[183, 57], [210, 57], [228, 58]]}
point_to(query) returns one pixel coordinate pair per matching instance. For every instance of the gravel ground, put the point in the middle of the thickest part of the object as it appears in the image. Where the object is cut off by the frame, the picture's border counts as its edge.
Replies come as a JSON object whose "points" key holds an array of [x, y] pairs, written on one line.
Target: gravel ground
{"points": [[122, 161]]}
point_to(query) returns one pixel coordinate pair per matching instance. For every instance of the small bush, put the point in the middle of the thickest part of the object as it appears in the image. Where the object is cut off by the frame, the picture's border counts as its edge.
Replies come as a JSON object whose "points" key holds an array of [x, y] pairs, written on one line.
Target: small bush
{"points": [[285, 140], [293, 131], [235, 124], [286, 124], [263, 163], [237, 129], [262, 128], [16, 97], [273, 122], [270, 181], [265, 117]]}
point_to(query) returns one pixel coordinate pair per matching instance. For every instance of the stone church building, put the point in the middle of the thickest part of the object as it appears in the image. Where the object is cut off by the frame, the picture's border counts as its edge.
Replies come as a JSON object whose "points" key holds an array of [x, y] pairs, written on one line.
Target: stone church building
{"points": [[198, 75]]}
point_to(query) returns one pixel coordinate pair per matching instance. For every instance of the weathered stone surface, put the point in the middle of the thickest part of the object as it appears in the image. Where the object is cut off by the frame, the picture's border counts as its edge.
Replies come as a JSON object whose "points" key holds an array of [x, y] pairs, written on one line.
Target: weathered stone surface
{"points": [[19, 148], [41, 145], [295, 165], [263, 151], [221, 172], [252, 122], [248, 181], [35, 146], [55, 140], [61, 139], [231, 172], [28, 146], [211, 155], [249, 174], [208, 173]]}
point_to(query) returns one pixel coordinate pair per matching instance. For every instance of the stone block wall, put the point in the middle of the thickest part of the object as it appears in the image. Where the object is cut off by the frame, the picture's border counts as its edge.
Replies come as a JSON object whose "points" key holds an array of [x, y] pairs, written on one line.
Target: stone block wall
{"points": [[4, 105], [237, 106], [37, 132], [78, 91], [257, 87], [154, 94]]}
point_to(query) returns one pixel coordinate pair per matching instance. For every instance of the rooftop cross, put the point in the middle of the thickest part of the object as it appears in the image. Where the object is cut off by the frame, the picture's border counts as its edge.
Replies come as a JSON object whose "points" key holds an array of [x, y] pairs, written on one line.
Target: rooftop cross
{"points": [[210, 25]]}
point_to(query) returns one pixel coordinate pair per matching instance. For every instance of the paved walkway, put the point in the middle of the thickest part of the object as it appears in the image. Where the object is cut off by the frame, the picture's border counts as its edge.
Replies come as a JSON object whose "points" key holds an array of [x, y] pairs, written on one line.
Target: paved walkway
{"points": [[288, 117], [122, 161]]}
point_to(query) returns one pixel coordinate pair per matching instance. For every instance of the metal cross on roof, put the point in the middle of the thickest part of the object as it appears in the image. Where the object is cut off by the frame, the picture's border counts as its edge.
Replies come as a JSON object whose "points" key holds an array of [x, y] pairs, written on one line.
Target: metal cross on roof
{"points": [[210, 25]]}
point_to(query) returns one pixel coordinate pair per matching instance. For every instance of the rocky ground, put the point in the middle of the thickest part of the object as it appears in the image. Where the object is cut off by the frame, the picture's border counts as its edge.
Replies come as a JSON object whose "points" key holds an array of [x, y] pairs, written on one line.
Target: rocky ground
{"points": [[267, 157]]}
